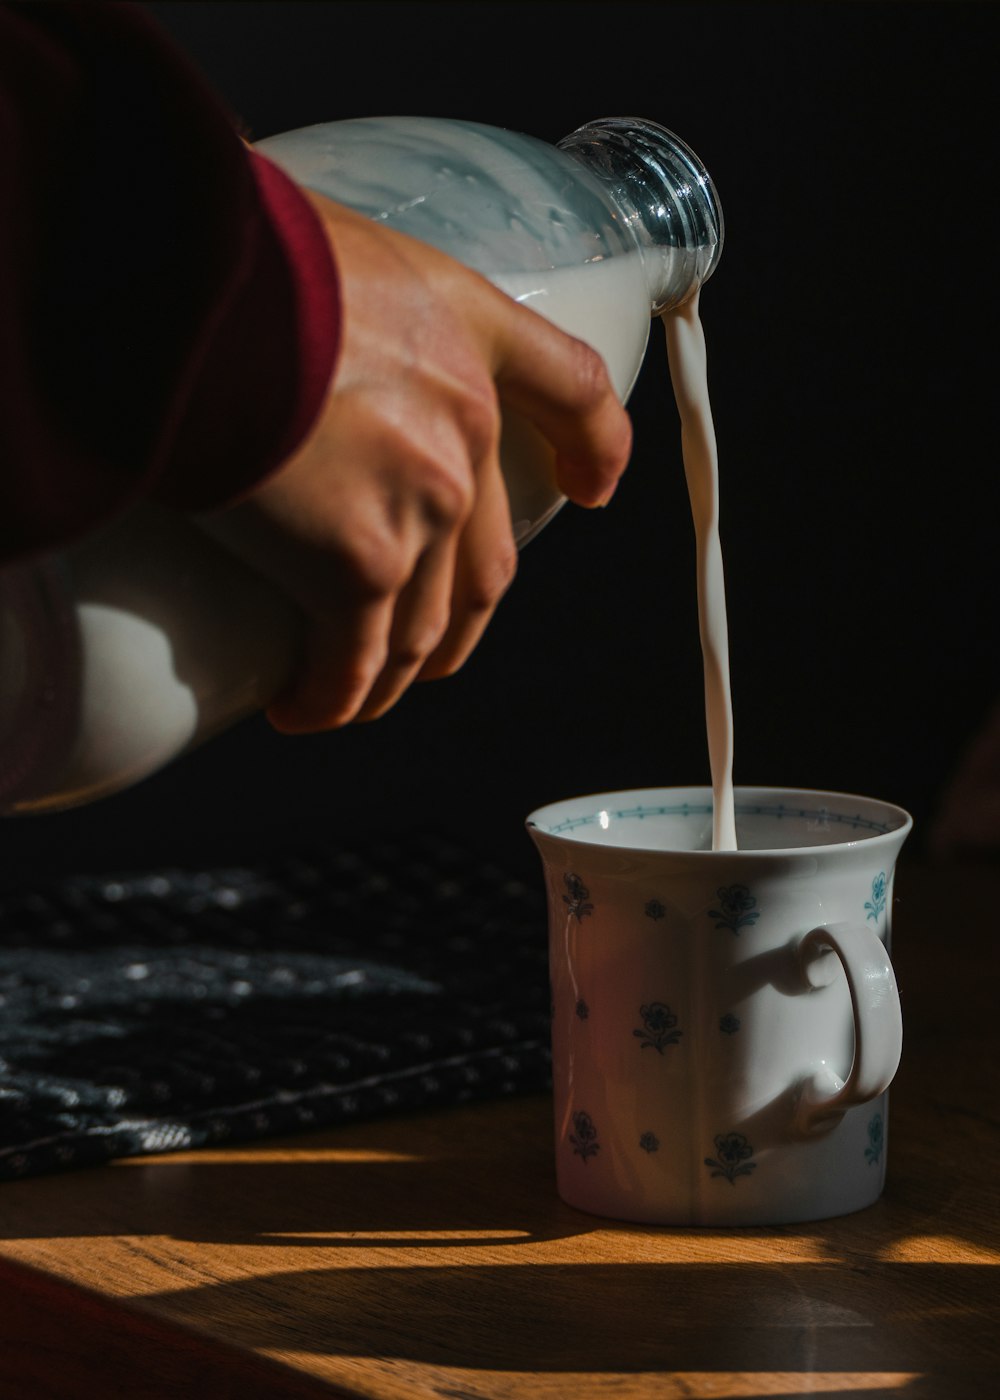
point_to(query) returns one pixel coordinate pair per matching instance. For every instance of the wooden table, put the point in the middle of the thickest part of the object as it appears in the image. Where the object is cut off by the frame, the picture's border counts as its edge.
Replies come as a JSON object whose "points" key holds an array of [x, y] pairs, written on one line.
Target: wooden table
{"points": [[429, 1255]]}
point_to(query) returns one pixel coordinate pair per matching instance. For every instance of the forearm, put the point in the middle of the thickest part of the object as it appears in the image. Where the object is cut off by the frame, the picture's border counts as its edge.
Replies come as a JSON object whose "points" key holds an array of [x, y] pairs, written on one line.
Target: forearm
{"points": [[170, 307]]}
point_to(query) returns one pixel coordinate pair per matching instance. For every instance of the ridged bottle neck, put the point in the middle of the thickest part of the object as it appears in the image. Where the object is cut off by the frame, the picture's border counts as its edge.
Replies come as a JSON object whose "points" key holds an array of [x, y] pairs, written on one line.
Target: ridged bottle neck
{"points": [[666, 198]]}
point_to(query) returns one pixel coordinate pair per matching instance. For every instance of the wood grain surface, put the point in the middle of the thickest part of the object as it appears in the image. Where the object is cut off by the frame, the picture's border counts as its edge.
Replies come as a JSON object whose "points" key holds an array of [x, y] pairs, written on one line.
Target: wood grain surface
{"points": [[429, 1256]]}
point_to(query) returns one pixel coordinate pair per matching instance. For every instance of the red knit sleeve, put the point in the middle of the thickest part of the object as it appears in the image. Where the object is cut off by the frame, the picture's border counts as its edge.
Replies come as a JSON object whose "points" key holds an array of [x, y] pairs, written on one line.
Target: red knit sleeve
{"points": [[170, 305], [261, 371]]}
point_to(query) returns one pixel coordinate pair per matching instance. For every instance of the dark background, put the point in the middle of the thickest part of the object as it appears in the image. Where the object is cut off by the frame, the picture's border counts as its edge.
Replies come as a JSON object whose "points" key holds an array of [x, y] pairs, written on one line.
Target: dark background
{"points": [[851, 330]]}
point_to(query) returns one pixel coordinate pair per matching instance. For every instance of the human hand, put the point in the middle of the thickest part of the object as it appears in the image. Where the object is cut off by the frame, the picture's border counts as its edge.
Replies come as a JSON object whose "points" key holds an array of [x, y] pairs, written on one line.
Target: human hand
{"points": [[390, 525]]}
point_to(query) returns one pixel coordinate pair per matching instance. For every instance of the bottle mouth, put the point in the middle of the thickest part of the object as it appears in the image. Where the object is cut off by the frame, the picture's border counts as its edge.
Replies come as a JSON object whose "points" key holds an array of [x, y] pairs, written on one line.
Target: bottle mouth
{"points": [[671, 200]]}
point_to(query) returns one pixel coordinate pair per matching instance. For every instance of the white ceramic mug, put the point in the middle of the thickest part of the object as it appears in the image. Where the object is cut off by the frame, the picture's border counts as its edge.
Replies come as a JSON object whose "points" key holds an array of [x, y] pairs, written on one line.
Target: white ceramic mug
{"points": [[725, 1023]]}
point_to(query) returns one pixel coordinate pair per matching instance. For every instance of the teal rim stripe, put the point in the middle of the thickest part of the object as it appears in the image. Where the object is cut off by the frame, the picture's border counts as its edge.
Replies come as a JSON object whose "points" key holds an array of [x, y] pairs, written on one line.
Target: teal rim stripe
{"points": [[743, 809]]}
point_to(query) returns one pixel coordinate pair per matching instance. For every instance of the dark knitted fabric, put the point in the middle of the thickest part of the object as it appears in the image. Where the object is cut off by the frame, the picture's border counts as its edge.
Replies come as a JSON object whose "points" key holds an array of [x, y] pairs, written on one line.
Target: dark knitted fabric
{"points": [[175, 1008]]}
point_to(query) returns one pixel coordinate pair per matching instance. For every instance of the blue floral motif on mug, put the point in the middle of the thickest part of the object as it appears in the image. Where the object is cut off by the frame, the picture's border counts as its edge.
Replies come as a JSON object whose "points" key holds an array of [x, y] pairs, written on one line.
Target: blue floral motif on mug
{"points": [[577, 898], [876, 905], [732, 1158], [584, 1139], [659, 1026], [736, 908], [729, 1024], [582, 1009], [649, 1142], [654, 909]]}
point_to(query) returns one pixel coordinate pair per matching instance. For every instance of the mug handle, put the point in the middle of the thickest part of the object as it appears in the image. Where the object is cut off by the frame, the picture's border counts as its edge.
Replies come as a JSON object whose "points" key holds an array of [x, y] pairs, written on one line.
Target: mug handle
{"points": [[824, 1098]]}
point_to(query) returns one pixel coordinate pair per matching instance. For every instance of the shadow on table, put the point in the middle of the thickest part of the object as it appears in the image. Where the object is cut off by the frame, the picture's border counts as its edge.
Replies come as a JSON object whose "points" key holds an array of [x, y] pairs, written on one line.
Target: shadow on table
{"points": [[323, 1194], [874, 1294], [623, 1318]]}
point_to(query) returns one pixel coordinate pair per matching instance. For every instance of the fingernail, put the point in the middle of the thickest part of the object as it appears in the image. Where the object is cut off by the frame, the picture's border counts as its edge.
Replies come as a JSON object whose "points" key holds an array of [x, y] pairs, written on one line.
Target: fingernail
{"points": [[606, 498]]}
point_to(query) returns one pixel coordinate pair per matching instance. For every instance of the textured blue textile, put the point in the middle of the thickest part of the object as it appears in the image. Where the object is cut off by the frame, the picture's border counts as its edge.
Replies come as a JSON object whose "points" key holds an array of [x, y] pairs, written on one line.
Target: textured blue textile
{"points": [[153, 1011]]}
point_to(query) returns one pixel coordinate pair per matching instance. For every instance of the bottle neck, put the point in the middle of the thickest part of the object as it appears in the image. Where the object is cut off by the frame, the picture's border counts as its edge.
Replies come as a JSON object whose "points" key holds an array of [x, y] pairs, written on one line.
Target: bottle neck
{"points": [[666, 197]]}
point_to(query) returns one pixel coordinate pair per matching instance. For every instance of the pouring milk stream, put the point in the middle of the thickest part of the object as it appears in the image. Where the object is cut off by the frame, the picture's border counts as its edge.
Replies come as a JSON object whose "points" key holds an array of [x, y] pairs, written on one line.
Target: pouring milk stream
{"points": [[689, 376], [131, 648]]}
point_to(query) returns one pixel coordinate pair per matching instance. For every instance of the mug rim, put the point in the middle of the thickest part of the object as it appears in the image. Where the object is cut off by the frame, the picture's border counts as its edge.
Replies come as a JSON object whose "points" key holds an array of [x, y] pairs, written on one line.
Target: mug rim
{"points": [[895, 825]]}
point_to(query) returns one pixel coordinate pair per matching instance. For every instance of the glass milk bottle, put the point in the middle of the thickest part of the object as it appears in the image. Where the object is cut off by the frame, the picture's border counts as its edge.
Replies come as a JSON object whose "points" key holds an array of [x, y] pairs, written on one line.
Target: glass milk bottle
{"points": [[139, 643], [617, 223]]}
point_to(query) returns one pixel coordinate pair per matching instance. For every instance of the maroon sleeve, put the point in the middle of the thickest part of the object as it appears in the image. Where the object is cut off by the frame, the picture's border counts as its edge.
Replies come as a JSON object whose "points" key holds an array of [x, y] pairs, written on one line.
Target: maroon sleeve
{"points": [[169, 307]]}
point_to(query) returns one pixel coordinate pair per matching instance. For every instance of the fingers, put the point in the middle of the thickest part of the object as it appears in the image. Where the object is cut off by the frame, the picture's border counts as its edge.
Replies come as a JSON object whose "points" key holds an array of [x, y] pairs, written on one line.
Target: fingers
{"points": [[484, 570], [363, 653], [429, 629], [344, 655], [563, 386], [390, 527], [421, 617]]}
